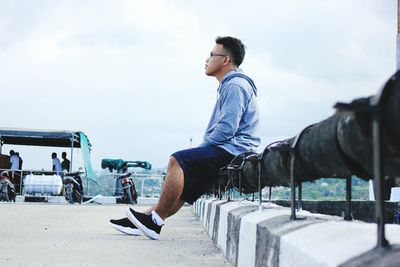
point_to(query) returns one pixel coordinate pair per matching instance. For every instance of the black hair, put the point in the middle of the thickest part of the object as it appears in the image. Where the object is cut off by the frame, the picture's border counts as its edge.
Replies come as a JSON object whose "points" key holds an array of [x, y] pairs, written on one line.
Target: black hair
{"points": [[53, 155], [234, 47]]}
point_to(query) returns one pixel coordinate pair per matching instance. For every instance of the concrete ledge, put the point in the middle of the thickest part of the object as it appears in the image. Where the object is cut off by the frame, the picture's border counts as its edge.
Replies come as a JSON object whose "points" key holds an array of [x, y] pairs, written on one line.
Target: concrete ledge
{"points": [[99, 199], [248, 236]]}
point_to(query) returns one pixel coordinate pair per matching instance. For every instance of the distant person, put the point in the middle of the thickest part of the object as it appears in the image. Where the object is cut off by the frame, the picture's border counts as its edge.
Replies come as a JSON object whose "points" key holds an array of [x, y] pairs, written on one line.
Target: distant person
{"points": [[14, 167], [56, 164], [20, 160], [65, 164], [14, 161], [232, 130]]}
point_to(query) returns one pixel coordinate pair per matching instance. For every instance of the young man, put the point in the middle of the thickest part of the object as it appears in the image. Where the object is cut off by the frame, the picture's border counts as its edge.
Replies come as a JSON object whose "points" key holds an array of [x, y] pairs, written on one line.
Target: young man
{"points": [[65, 164], [14, 161], [56, 164], [232, 130], [15, 165]]}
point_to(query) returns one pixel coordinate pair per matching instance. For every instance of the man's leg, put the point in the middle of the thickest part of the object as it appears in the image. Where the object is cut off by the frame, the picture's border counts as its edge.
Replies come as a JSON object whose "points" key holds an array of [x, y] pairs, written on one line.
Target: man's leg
{"points": [[172, 190], [125, 226], [177, 206], [201, 167], [169, 202]]}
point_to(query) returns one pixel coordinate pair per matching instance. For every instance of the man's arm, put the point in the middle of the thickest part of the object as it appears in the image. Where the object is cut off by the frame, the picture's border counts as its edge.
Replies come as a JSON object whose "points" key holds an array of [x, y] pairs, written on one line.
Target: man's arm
{"points": [[233, 106]]}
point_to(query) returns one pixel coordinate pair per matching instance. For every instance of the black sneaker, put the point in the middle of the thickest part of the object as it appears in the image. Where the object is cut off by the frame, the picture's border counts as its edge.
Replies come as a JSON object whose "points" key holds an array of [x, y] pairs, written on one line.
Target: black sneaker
{"points": [[125, 226], [144, 223]]}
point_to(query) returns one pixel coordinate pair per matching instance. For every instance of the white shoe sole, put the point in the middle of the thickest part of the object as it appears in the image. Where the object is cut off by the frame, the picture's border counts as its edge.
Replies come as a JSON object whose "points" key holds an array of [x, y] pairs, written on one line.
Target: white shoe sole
{"points": [[146, 231], [126, 230]]}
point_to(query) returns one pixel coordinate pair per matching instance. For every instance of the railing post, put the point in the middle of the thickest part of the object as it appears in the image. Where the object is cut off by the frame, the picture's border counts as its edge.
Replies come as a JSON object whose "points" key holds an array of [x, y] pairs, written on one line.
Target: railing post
{"points": [[292, 188], [348, 216], [270, 195], [260, 207], [300, 203], [378, 174], [141, 190]]}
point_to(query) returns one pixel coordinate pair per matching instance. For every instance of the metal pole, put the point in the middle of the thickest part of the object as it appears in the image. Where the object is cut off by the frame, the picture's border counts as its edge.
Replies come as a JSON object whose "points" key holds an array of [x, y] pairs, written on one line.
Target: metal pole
{"points": [[141, 191], [219, 190], [347, 215], [398, 36], [300, 204], [270, 195], [87, 185], [292, 187], [72, 152], [259, 184], [380, 204]]}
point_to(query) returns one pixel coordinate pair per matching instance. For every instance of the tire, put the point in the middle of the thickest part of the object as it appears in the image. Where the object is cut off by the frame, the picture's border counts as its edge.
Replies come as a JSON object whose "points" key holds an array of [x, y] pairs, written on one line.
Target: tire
{"points": [[11, 194], [128, 194], [77, 196], [134, 193], [68, 195], [6, 198]]}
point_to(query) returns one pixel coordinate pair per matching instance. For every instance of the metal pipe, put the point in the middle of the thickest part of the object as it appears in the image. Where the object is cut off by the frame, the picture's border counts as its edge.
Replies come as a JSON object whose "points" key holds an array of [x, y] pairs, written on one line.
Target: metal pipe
{"points": [[141, 191], [270, 195], [378, 174], [398, 37], [347, 215], [72, 153], [259, 184], [87, 185], [300, 204], [240, 184], [292, 187]]}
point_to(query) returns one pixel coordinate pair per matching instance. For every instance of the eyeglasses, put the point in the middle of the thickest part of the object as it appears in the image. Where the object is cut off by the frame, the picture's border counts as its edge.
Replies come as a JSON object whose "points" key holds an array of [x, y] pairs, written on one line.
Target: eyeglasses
{"points": [[212, 54]]}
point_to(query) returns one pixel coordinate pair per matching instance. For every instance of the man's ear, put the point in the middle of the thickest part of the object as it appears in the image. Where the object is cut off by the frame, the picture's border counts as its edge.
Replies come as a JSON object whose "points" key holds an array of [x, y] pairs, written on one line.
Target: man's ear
{"points": [[227, 60]]}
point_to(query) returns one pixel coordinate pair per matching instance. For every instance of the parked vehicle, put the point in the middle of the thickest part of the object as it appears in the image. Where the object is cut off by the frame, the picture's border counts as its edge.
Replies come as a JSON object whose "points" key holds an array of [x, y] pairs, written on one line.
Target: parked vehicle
{"points": [[125, 188], [130, 194], [42, 182], [73, 187], [7, 189]]}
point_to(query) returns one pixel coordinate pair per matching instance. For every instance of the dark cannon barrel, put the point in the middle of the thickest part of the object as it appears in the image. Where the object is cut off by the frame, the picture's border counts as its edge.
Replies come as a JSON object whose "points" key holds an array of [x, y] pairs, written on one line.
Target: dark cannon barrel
{"points": [[318, 154], [337, 147]]}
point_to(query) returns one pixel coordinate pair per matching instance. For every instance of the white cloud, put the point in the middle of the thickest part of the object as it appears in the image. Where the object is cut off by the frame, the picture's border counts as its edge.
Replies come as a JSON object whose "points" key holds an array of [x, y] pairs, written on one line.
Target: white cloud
{"points": [[131, 73]]}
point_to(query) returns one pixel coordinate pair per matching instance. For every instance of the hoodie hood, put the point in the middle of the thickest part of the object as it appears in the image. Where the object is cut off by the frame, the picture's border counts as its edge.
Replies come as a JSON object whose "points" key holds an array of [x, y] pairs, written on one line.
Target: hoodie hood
{"points": [[238, 73]]}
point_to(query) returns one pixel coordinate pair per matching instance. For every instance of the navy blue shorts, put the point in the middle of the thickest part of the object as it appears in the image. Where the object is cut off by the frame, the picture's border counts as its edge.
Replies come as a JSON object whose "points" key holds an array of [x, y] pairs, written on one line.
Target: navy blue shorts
{"points": [[200, 167]]}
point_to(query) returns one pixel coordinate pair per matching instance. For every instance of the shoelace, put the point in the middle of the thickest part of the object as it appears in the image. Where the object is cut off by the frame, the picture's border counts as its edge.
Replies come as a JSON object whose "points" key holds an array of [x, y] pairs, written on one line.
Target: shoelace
{"points": [[153, 219]]}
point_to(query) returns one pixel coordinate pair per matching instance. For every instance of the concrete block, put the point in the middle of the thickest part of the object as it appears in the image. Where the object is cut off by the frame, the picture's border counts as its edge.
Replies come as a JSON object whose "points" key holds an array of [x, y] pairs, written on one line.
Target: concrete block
{"points": [[269, 234], [206, 212], [213, 216], [331, 243], [232, 238], [248, 233], [223, 224]]}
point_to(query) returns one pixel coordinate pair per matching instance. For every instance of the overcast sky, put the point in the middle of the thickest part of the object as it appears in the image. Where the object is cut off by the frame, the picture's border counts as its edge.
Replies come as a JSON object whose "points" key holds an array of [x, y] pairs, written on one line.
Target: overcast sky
{"points": [[130, 74]]}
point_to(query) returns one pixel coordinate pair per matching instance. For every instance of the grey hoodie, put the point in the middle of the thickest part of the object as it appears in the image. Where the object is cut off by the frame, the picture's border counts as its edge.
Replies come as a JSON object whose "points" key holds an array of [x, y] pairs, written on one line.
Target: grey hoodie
{"points": [[233, 124]]}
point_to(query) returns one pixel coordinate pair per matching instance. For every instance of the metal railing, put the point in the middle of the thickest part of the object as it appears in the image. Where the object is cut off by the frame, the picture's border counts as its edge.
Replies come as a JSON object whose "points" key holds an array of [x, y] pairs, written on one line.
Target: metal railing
{"points": [[147, 185]]}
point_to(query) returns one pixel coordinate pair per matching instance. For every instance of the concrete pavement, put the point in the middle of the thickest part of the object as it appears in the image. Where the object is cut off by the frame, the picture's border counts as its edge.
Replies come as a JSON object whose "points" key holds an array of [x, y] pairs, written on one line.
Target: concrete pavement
{"points": [[39, 234]]}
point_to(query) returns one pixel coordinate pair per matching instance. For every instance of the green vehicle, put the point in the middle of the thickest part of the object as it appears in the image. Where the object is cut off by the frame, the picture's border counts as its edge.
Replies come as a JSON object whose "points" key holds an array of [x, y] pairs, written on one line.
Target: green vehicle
{"points": [[125, 189]]}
